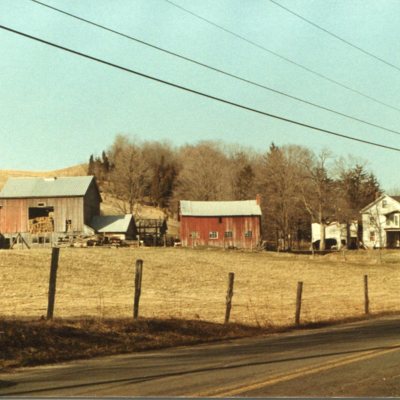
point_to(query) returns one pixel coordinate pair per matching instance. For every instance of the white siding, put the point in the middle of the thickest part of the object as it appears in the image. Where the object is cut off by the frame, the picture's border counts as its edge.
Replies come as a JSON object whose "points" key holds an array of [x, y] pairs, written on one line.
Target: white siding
{"points": [[375, 221], [333, 231]]}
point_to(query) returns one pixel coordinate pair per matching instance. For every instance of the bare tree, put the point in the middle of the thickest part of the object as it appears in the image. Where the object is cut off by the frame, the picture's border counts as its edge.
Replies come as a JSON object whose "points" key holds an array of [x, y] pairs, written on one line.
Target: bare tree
{"points": [[164, 168], [279, 182], [205, 173], [376, 222], [317, 191], [356, 187], [130, 173], [243, 176]]}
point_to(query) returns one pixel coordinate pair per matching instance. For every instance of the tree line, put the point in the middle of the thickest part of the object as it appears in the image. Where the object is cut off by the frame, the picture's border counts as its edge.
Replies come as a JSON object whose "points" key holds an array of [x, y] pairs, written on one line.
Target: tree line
{"points": [[296, 185]]}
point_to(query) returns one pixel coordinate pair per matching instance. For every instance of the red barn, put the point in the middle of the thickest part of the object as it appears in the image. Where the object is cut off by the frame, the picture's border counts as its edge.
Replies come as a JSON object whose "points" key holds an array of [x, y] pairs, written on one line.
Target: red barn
{"points": [[220, 223]]}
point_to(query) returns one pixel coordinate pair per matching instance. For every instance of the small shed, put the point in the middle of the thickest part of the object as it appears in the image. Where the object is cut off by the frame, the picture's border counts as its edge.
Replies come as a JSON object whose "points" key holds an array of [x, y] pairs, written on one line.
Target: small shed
{"points": [[336, 235], [152, 231], [229, 224], [121, 226]]}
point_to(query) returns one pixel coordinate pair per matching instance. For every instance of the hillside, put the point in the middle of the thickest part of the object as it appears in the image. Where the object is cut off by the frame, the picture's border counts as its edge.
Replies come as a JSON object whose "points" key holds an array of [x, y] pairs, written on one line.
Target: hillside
{"points": [[113, 206], [76, 170]]}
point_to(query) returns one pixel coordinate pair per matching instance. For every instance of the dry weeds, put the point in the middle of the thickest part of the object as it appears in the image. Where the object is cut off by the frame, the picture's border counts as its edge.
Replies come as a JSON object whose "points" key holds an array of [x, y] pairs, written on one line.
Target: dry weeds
{"points": [[27, 343], [191, 284]]}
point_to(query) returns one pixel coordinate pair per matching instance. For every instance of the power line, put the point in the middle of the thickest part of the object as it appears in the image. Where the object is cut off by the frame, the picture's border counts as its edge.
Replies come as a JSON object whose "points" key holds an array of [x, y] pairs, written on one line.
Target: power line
{"points": [[322, 76], [214, 68], [99, 60], [336, 36]]}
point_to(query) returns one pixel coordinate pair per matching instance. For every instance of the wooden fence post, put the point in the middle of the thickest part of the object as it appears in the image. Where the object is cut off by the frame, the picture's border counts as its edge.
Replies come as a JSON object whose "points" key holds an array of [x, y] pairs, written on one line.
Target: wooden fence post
{"points": [[138, 287], [229, 294], [298, 302], [366, 299], [52, 284]]}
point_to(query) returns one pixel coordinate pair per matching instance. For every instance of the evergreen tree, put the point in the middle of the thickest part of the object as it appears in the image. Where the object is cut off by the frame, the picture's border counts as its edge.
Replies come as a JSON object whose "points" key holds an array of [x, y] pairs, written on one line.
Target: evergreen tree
{"points": [[163, 182], [356, 188], [91, 165]]}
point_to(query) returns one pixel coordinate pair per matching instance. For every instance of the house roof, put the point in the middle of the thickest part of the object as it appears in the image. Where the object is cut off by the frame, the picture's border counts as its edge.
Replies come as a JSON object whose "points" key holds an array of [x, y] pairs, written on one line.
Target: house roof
{"points": [[219, 208], [111, 223], [46, 187], [396, 198]]}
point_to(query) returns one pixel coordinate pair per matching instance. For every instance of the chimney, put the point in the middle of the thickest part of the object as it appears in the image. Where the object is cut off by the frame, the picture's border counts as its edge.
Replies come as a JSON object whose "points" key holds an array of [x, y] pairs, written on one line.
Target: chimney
{"points": [[258, 199]]}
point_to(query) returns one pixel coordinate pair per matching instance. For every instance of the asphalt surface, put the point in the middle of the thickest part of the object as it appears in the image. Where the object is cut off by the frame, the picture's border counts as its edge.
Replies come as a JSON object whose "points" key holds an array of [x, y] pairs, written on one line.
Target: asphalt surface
{"points": [[357, 359]]}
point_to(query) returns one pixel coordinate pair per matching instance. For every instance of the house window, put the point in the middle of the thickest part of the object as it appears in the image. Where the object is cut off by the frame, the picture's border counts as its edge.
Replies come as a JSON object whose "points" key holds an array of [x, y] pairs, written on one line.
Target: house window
{"points": [[372, 220], [228, 234], [213, 235], [372, 236], [220, 220], [384, 203], [194, 235], [396, 219], [248, 234]]}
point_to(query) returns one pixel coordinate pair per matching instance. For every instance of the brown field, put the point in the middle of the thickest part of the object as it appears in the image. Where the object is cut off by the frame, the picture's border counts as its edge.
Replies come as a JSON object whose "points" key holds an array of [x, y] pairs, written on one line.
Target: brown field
{"points": [[191, 284]]}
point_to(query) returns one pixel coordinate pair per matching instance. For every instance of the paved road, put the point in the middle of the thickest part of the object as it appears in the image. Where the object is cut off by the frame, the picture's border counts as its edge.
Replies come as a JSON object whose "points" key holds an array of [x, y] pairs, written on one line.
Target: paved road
{"points": [[358, 359]]}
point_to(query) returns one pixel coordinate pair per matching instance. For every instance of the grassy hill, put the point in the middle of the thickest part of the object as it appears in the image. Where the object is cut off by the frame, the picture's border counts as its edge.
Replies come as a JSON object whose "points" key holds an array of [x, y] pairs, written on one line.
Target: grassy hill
{"points": [[76, 170]]}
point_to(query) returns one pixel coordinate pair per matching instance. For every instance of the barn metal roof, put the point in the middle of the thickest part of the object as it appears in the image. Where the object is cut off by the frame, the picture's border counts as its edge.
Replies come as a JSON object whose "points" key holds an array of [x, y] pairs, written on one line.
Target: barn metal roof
{"points": [[219, 208], [46, 187], [111, 223]]}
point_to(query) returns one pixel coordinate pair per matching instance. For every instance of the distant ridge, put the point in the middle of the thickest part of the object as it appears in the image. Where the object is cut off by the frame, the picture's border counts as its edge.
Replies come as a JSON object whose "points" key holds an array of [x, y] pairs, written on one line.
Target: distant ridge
{"points": [[76, 170]]}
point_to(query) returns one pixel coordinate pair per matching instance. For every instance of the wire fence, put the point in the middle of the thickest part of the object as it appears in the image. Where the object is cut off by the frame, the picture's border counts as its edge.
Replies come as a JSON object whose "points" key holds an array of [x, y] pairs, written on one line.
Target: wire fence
{"points": [[224, 297]]}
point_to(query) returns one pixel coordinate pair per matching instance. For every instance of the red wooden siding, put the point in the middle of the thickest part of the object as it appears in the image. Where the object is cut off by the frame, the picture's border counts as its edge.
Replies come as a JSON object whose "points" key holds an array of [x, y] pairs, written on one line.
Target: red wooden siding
{"points": [[204, 225], [13, 216], [14, 213]]}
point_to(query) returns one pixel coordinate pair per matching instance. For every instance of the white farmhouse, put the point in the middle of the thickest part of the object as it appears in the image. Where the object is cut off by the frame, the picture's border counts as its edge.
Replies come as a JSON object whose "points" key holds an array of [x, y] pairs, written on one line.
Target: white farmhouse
{"points": [[381, 222]]}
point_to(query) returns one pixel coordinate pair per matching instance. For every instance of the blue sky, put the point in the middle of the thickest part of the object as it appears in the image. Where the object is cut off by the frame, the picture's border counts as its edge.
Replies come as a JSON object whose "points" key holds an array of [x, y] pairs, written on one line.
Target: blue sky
{"points": [[56, 108]]}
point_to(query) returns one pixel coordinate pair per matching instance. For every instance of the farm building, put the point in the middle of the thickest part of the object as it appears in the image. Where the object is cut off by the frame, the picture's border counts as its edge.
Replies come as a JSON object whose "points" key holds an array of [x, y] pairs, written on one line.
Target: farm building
{"points": [[152, 231], [381, 222], [43, 209], [118, 226], [336, 235], [230, 224]]}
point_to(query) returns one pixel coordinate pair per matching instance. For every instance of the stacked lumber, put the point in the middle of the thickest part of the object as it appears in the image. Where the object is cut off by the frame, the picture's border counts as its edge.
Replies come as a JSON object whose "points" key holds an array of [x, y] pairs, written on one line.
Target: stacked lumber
{"points": [[41, 225]]}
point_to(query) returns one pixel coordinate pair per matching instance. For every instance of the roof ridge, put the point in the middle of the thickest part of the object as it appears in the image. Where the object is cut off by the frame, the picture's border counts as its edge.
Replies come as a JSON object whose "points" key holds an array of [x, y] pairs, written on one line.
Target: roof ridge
{"points": [[220, 208], [31, 187]]}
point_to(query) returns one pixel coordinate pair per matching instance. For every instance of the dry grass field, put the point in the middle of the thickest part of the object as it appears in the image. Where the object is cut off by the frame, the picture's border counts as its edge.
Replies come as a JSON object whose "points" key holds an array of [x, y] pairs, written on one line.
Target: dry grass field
{"points": [[191, 284]]}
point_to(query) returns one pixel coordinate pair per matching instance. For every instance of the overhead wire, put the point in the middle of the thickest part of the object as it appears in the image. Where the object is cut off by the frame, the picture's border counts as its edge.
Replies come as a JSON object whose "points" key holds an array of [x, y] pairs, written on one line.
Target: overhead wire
{"points": [[205, 95], [321, 28], [143, 42], [259, 46]]}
